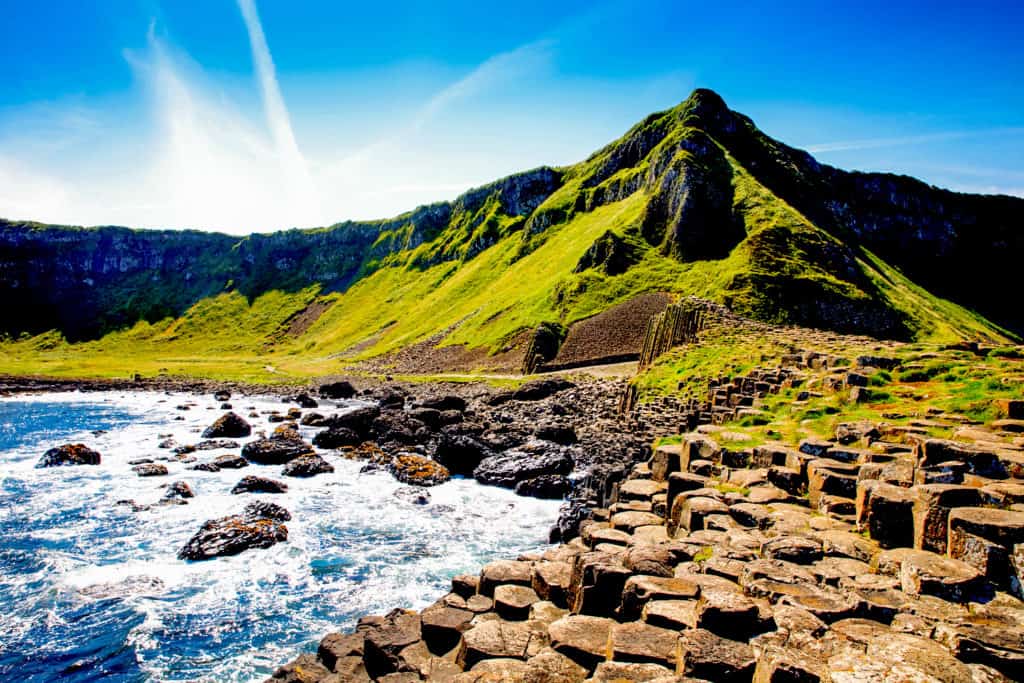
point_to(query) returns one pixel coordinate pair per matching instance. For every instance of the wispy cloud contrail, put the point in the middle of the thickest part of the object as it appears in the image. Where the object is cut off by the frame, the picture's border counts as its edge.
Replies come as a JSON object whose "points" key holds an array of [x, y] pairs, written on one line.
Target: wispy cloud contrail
{"points": [[294, 165]]}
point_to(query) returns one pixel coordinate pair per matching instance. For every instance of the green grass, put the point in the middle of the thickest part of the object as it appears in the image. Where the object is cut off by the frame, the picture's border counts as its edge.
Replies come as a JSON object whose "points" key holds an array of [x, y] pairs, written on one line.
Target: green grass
{"points": [[484, 278]]}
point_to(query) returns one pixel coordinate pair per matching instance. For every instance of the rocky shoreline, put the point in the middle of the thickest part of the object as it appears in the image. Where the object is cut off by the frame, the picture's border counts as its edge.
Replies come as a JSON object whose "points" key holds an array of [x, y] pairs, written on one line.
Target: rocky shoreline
{"points": [[880, 554], [548, 438]]}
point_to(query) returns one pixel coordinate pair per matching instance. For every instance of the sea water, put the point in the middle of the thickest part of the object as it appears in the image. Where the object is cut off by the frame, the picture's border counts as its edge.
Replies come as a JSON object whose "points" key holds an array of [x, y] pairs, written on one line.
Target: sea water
{"points": [[92, 590]]}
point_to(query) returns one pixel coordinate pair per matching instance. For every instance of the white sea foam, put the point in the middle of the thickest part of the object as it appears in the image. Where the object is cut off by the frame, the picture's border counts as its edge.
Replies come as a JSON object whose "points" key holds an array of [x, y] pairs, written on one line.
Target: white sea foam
{"points": [[353, 548]]}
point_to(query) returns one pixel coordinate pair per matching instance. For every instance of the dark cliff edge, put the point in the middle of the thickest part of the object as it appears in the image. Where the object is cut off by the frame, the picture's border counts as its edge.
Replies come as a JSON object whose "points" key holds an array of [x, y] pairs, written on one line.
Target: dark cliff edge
{"points": [[688, 162]]}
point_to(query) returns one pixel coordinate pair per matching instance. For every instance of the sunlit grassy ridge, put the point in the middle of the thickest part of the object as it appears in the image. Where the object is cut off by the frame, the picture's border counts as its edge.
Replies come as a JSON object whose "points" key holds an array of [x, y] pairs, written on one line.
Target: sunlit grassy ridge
{"points": [[483, 271], [931, 377]]}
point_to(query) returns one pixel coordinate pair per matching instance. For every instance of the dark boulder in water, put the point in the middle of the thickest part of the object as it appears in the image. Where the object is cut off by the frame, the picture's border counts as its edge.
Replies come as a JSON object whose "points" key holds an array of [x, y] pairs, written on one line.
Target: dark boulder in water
{"points": [[216, 444], [275, 451], [417, 470], [179, 489], [545, 486], [413, 494], [69, 454], [230, 461], [570, 516], [337, 390], [259, 526], [253, 484], [533, 459], [150, 470], [307, 466], [306, 401], [461, 453], [229, 425], [262, 508], [222, 395], [359, 420], [336, 437], [428, 416], [313, 420]]}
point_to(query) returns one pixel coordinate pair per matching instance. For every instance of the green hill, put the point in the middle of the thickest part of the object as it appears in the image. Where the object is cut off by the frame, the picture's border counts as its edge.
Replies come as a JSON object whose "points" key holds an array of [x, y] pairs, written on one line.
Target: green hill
{"points": [[691, 201]]}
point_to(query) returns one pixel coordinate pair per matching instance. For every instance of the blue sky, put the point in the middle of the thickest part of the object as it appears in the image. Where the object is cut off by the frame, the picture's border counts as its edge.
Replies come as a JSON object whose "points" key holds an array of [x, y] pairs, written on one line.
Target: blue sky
{"points": [[252, 115]]}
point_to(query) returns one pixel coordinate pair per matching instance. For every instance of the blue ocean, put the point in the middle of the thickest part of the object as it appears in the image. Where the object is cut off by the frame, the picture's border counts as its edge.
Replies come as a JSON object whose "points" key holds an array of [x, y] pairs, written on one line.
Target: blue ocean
{"points": [[91, 589]]}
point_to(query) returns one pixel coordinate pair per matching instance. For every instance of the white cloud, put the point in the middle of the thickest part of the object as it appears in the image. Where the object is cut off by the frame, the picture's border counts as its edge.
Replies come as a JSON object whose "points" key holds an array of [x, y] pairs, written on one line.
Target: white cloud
{"points": [[299, 185]]}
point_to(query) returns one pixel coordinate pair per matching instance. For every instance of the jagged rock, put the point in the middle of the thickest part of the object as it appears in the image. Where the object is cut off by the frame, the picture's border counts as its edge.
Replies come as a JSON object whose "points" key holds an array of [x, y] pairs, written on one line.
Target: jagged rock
{"points": [[313, 419], [461, 453], [650, 560], [268, 510], [552, 486], [178, 489], [213, 445], [306, 401], [980, 461], [629, 520], [257, 527], [987, 639], [532, 460], [230, 426], [342, 389], [359, 420], [445, 402], [150, 470], [558, 433], [275, 451], [540, 389], [690, 513], [415, 495], [69, 454], [336, 437], [417, 470], [253, 484], [230, 461], [307, 466]]}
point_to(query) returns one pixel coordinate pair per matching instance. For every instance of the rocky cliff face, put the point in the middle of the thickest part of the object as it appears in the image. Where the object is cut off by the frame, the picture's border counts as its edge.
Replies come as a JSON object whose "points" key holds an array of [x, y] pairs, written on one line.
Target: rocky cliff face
{"points": [[688, 162]]}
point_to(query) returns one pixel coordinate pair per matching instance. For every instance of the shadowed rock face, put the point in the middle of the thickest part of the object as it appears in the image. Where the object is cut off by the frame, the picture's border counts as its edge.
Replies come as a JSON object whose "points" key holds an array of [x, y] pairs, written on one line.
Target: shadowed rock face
{"points": [[259, 526], [69, 454], [85, 282]]}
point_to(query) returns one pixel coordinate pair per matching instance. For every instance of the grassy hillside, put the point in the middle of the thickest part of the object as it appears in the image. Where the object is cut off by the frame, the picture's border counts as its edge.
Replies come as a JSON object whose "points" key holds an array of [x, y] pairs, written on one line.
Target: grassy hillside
{"points": [[668, 207]]}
